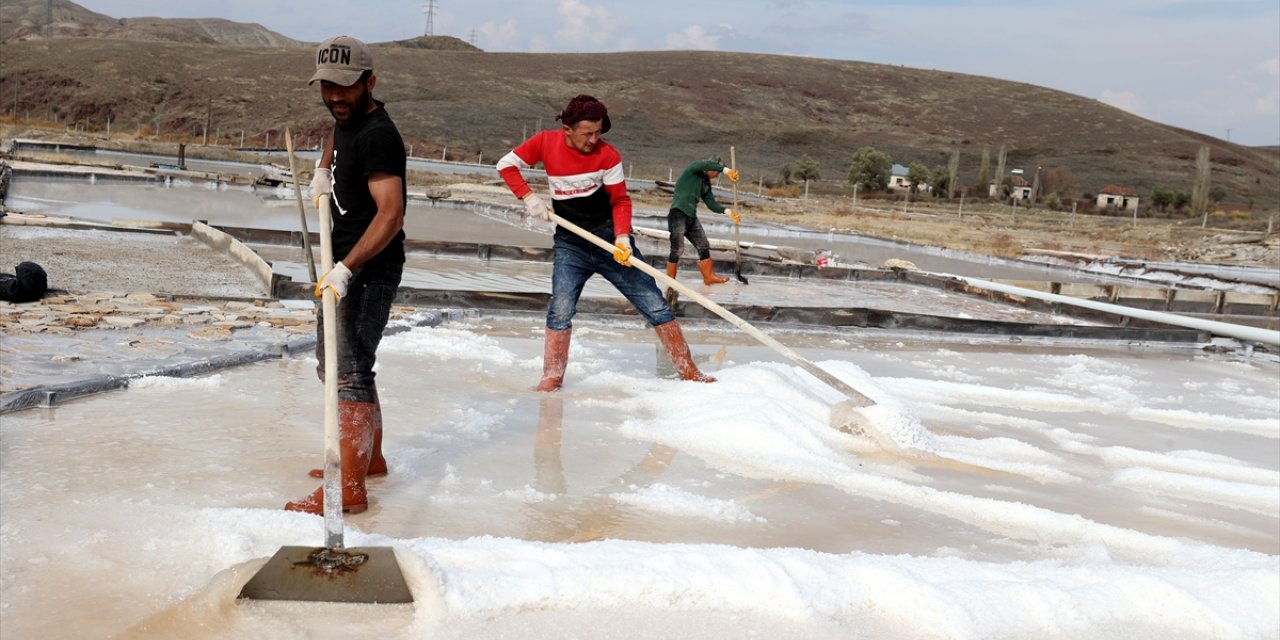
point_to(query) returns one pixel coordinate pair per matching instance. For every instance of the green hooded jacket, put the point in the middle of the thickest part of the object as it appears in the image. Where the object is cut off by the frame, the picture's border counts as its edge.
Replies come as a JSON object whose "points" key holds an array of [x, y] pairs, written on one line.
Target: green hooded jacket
{"points": [[693, 185]]}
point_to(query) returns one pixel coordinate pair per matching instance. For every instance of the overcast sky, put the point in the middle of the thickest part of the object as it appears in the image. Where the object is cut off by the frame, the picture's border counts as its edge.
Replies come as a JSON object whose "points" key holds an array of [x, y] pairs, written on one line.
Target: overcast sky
{"points": [[1208, 65]]}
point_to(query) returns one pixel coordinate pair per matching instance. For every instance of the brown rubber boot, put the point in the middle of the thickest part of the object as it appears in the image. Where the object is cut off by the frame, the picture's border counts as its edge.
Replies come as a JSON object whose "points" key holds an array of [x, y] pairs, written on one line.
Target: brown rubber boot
{"points": [[555, 357], [673, 339], [355, 434], [709, 276], [377, 463], [672, 268]]}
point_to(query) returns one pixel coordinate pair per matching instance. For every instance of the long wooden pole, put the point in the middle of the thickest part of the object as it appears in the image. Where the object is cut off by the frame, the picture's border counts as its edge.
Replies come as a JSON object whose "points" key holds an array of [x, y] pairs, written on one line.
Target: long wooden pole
{"points": [[332, 450], [737, 242], [302, 211]]}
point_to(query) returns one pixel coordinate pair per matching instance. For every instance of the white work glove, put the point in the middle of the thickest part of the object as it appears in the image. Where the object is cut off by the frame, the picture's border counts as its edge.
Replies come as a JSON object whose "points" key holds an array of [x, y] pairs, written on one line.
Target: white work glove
{"points": [[622, 250], [733, 215], [336, 279], [321, 184], [537, 207]]}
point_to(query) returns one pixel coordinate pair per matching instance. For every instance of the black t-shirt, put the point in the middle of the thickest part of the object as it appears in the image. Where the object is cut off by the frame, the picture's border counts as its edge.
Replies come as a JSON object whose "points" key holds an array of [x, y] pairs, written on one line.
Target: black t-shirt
{"points": [[372, 145]]}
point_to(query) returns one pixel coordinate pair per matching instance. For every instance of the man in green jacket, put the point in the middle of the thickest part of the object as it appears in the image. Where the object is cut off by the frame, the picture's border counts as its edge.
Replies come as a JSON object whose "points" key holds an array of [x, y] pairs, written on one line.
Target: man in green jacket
{"points": [[682, 221]]}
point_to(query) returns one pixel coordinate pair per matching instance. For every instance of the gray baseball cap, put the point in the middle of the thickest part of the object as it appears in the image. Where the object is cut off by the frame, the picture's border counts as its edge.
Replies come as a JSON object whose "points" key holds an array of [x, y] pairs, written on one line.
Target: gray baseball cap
{"points": [[342, 60]]}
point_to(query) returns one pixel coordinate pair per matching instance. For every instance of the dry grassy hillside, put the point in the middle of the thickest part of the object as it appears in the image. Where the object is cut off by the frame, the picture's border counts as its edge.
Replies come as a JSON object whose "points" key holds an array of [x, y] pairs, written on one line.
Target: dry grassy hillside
{"points": [[668, 107], [30, 19]]}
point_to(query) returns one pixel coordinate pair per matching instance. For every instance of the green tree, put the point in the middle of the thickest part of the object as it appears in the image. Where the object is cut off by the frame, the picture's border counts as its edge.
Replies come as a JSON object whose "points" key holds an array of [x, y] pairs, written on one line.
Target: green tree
{"points": [[918, 175], [1006, 188], [870, 169], [785, 173], [1217, 194], [984, 171], [947, 187], [1161, 199], [806, 169], [941, 180], [1181, 200]]}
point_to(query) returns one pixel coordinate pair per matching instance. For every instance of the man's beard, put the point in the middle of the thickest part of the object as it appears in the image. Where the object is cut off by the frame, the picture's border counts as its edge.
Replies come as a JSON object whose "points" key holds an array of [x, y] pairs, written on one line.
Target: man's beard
{"points": [[356, 110]]}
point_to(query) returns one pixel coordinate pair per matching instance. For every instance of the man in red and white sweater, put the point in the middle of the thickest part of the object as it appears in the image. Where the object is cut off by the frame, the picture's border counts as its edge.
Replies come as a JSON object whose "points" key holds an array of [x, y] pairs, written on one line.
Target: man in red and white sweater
{"points": [[588, 188]]}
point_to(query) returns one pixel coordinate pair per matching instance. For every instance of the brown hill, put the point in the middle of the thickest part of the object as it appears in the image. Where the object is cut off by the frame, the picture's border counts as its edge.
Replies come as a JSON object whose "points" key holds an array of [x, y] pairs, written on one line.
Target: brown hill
{"points": [[28, 19], [34, 19], [668, 107]]}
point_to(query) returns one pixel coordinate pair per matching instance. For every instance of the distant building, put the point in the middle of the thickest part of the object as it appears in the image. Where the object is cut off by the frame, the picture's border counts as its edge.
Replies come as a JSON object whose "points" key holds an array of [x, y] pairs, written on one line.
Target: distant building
{"points": [[1117, 198], [898, 179], [1021, 188]]}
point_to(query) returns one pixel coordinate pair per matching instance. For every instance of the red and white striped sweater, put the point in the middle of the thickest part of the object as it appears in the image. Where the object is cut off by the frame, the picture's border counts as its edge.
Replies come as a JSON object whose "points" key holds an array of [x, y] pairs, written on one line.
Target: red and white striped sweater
{"points": [[587, 189]]}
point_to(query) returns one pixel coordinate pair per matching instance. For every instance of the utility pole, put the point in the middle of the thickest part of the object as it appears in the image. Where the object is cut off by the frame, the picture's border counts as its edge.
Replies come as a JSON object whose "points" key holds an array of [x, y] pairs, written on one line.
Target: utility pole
{"points": [[430, 9]]}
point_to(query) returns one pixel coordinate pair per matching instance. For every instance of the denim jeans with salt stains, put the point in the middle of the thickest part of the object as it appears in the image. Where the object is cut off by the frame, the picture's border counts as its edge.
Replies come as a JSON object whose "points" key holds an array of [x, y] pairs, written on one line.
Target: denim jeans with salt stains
{"points": [[682, 226], [362, 317], [576, 260]]}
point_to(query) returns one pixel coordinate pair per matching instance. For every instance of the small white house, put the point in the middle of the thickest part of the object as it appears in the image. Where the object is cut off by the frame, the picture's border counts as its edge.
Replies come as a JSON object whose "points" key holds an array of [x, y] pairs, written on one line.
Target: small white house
{"points": [[1021, 188], [898, 180], [1117, 198]]}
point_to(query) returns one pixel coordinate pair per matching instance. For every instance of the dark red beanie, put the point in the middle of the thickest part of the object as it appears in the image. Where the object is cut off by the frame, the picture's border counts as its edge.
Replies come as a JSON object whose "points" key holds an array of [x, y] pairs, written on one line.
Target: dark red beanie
{"points": [[585, 107]]}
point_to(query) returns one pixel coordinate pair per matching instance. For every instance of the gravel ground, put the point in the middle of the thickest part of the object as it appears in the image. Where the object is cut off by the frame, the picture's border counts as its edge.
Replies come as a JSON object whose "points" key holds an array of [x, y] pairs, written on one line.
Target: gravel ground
{"points": [[80, 260]]}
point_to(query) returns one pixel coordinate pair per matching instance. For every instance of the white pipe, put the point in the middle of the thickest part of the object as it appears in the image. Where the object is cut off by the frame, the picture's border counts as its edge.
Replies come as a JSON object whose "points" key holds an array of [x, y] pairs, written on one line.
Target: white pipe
{"points": [[1241, 332]]}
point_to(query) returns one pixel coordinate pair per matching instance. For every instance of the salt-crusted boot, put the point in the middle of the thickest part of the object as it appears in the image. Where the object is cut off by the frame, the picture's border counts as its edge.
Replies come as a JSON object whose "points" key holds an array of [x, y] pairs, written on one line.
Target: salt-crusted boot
{"points": [[673, 339], [355, 438], [555, 358]]}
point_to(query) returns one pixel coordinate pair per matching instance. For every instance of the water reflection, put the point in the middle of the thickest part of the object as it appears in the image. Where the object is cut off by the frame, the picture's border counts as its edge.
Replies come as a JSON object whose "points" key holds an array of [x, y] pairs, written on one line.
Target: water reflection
{"points": [[559, 518]]}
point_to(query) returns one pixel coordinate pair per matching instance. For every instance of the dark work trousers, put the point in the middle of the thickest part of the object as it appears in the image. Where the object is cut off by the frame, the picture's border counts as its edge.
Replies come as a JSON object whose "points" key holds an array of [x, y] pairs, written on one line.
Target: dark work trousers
{"points": [[362, 317], [684, 226]]}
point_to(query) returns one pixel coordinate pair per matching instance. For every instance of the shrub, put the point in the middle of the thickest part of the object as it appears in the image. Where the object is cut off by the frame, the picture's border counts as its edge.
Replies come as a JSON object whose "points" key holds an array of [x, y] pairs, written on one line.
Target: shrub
{"points": [[1005, 246]]}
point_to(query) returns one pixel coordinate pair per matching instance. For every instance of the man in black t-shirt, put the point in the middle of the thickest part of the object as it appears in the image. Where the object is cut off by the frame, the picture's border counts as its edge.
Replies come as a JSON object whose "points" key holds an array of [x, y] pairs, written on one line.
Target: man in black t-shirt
{"points": [[362, 173]]}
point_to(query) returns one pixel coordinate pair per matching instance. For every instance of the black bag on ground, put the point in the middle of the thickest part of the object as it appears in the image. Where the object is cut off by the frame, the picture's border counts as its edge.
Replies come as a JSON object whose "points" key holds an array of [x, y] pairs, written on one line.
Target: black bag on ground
{"points": [[28, 285]]}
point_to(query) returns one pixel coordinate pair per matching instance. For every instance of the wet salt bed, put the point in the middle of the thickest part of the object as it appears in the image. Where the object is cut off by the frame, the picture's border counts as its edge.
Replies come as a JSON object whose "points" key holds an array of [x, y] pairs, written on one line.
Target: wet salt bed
{"points": [[423, 271], [30, 360], [106, 200], [239, 206], [275, 208], [1068, 491]]}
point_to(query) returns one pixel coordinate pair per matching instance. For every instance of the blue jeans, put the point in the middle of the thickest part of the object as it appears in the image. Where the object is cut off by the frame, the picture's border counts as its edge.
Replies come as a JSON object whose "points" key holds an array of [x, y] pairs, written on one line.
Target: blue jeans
{"points": [[576, 260], [362, 317]]}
